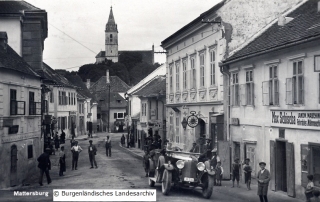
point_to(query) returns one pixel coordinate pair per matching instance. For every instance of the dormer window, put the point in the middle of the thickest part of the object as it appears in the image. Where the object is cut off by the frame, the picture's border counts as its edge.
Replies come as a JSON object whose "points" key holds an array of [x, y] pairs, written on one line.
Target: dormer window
{"points": [[119, 101]]}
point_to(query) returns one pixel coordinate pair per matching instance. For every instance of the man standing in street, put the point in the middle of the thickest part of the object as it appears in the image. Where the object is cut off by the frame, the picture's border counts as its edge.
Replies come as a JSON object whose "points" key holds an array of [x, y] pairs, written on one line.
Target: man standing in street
{"points": [[108, 146], [75, 155], [92, 150], [44, 165], [213, 163], [263, 182]]}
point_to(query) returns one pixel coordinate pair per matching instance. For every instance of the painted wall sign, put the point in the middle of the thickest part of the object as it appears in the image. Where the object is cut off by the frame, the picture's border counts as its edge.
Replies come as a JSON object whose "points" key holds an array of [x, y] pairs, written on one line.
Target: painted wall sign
{"points": [[235, 121], [306, 119]]}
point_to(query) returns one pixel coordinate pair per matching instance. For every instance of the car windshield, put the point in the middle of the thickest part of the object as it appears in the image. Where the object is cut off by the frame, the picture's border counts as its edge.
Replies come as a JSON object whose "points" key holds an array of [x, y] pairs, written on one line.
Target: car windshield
{"points": [[181, 148]]}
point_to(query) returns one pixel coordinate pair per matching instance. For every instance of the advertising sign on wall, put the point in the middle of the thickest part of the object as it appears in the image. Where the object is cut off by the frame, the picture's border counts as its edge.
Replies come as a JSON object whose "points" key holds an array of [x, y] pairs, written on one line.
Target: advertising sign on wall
{"points": [[304, 119]]}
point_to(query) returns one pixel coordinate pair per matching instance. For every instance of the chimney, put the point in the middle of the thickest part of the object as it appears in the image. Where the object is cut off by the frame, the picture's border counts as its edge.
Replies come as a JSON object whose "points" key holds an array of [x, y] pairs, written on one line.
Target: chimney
{"points": [[107, 78], [282, 20], [3, 42], [88, 83]]}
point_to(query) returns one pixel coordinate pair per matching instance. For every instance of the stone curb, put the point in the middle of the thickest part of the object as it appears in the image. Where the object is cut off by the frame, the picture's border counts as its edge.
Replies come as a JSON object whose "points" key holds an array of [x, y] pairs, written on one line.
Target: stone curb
{"points": [[137, 155]]}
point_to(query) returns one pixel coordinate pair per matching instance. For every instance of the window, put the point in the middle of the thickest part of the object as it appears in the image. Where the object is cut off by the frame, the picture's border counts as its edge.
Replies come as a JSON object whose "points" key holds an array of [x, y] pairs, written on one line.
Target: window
{"points": [[295, 85], [177, 76], [70, 98], [212, 68], [34, 107], [202, 70], [249, 87], [170, 78], [74, 98], [51, 97], [273, 86], [120, 116], [184, 79], [171, 132], [193, 74], [115, 115], [111, 37], [16, 107], [235, 90], [177, 129], [144, 109], [63, 99], [30, 151], [63, 123]]}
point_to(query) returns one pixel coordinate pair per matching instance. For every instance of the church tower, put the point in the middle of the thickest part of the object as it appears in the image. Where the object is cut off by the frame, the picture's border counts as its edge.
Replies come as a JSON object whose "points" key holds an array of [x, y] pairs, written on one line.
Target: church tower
{"points": [[111, 39]]}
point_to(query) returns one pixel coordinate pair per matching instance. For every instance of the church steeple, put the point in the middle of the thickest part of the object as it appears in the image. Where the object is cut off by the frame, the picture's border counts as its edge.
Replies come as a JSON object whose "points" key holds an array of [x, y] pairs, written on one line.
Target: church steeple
{"points": [[111, 26], [111, 41]]}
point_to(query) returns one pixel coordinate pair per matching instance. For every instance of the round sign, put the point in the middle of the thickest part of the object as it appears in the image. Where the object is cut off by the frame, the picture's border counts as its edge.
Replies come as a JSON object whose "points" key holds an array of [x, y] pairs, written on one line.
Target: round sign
{"points": [[192, 121]]}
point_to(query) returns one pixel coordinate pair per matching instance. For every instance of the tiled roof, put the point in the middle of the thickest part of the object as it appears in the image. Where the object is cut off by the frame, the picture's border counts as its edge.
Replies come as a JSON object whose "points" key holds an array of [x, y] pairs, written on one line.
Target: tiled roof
{"points": [[10, 7], [52, 77], [81, 87], [101, 54], [147, 55], [304, 26], [116, 100], [155, 88], [117, 85], [11, 60]]}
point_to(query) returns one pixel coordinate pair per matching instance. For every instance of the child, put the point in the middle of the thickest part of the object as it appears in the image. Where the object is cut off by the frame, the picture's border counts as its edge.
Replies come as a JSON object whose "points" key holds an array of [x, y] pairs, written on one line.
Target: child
{"points": [[219, 173], [146, 162], [247, 173], [309, 188], [235, 172]]}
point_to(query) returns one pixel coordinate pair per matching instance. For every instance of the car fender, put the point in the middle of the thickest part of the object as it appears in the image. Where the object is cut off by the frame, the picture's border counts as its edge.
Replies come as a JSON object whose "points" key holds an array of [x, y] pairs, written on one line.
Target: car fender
{"points": [[208, 168], [168, 166]]}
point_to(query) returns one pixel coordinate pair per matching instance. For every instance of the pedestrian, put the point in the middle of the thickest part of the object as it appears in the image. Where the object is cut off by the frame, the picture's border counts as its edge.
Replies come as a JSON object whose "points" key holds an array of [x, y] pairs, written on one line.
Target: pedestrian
{"points": [[316, 194], [236, 172], [92, 150], [62, 161], [44, 165], [309, 188], [108, 146], [213, 163], [76, 149], [56, 142], [72, 142], [62, 137], [146, 162], [263, 178], [247, 173], [123, 140], [131, 141], [128, 140], [219, 173]]}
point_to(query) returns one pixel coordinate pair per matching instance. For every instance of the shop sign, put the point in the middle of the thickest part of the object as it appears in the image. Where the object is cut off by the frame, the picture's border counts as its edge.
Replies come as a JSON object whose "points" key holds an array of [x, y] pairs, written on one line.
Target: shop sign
{"points": [[305, 119], [72, 113]]}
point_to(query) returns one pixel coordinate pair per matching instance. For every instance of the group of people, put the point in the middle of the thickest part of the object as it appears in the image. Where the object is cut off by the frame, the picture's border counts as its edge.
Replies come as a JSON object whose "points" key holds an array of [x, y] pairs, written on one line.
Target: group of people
{"points": [[45, 164]]}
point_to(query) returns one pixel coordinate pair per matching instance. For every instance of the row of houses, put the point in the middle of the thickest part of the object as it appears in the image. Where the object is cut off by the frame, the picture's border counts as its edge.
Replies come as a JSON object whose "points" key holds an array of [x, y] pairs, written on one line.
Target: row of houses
{"points": [[35, 100], [252, 80]]}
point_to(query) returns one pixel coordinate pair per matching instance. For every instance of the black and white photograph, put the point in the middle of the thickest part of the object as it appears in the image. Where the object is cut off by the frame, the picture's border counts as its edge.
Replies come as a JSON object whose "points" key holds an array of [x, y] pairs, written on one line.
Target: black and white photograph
{"points": [[160, 100]]}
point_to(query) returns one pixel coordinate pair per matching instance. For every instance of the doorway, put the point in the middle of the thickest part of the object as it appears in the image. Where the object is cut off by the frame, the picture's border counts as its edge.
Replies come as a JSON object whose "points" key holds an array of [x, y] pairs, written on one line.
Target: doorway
{"points": [[250, 152], [281, 166], [236, 151], [13, 167]]}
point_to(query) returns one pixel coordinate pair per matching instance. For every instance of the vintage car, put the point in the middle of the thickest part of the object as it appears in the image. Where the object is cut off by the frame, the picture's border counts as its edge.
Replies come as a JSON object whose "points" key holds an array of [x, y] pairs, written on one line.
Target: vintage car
{"points": [[179, 168]]}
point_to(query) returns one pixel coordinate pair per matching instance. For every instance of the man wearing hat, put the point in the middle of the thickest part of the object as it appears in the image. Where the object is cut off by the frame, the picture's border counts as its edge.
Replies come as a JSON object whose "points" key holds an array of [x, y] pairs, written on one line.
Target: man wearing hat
{"points": [[44, 165], [213, 162], [76, 149], [108, 146], [62, 161], [263, 182], [92, 150]]}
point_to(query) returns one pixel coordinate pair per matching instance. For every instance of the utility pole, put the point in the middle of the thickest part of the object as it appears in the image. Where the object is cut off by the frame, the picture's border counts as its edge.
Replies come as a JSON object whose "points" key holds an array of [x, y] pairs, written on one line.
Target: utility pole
{"points": [[109, 85]]}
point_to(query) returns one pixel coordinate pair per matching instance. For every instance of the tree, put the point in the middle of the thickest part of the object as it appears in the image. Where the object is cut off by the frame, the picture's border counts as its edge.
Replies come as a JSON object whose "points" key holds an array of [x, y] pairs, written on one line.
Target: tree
{"points": [[121, 71], [140, 71], [130, 59]]}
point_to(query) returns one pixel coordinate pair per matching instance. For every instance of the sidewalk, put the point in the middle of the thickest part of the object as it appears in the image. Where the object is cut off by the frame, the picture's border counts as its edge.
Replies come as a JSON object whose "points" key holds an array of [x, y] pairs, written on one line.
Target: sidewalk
{"points": [[241, 192]]}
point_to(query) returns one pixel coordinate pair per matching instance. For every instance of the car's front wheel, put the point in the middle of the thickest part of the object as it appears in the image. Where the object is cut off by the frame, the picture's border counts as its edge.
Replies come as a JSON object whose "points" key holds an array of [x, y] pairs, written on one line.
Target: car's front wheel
{"points": [[208, 187], [166, 182]]}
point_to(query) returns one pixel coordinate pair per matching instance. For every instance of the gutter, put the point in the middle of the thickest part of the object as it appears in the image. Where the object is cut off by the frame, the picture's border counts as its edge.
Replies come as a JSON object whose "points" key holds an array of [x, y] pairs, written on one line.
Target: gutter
{"points": [[269, 50]]}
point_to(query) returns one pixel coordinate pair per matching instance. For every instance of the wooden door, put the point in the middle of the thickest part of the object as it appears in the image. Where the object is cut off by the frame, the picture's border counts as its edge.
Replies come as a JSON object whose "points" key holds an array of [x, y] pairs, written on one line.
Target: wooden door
{"points": [[13, 168], [214, 140], [272, 165], [224, 154], [290, 169], [251, 154]]}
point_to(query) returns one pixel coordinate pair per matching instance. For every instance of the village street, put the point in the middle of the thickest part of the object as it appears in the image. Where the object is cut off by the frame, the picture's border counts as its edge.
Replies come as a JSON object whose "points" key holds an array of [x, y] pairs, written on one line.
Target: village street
{"points": [[121, 171]]}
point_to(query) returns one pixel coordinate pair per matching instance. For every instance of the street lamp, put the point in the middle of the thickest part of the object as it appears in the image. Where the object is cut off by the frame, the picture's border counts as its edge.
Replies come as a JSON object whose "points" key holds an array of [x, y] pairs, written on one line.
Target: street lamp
{"points": [[108, 84], [184, 123]]}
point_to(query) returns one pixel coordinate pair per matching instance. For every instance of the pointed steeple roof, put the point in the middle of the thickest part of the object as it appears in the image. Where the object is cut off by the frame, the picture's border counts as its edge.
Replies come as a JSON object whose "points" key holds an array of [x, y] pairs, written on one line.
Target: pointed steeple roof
{"points": [[111, 25]]}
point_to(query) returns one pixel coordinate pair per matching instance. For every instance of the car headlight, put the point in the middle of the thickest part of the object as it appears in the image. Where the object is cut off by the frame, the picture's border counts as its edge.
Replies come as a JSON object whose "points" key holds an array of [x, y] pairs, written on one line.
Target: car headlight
{"points": [[180, 164], [201, 166]]}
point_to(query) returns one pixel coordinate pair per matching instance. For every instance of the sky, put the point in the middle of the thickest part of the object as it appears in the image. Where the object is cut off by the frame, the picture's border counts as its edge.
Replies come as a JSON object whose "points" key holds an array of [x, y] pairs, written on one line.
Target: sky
{"points": [[76, 28]]}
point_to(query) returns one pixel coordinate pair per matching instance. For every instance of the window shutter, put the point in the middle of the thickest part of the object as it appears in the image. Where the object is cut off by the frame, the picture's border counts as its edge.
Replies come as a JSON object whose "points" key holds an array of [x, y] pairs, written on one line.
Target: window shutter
{"points": [[265, 93], [232, 96], [276, 92], [243, 94], [252, 94], [115, 115], [289, 91], [302, 90]]}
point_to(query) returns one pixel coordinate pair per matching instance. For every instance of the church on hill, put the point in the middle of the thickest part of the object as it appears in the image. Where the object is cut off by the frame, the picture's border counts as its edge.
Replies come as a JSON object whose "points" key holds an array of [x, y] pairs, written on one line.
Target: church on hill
{"points": [[111, 45]]}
